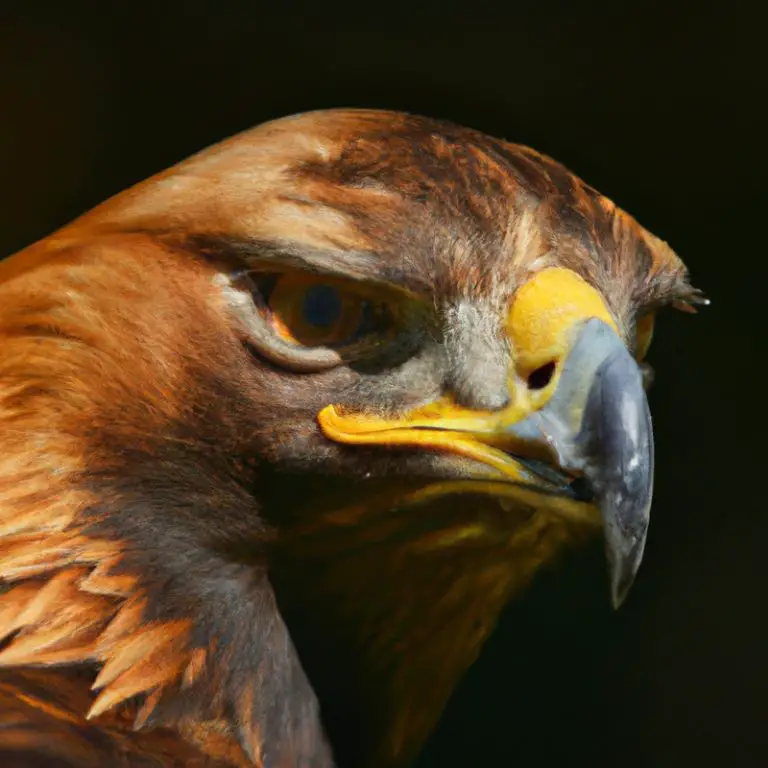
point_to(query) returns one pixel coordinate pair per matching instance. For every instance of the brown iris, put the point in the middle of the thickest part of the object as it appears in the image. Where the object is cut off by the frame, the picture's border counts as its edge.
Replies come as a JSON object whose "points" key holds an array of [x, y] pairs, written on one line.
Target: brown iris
{"points": [[312, 312]]}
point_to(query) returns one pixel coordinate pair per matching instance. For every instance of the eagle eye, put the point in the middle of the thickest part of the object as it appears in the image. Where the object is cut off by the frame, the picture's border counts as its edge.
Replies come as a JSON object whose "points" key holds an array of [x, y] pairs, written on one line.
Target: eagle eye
{"points": [[312, 311]]}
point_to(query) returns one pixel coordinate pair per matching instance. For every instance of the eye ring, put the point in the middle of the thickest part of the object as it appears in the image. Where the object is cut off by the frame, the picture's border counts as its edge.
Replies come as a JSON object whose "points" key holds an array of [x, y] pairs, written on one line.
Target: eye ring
{"points": [[248, 307]]}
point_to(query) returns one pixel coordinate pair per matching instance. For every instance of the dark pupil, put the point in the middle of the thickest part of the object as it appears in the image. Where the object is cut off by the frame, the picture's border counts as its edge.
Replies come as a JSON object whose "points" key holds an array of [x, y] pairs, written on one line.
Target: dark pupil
{"points": [[322, 306]]}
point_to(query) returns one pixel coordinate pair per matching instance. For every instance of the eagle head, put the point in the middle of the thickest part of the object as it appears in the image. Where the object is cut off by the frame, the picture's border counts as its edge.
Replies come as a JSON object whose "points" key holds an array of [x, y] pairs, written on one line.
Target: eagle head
{"points": [[346, 380]]}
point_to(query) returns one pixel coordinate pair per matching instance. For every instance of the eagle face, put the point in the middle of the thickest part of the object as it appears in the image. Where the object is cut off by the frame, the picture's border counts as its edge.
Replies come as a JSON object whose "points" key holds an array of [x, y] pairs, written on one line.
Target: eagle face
{"points": [[359, 368]]}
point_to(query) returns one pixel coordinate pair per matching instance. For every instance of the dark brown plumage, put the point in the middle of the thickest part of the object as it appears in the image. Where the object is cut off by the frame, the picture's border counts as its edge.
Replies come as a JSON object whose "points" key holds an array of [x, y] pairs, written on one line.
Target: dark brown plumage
{"points": [[169, 497]]}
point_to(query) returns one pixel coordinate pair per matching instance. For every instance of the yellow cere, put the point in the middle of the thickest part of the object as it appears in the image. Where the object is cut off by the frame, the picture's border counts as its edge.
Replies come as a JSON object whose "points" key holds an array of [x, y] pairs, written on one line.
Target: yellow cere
{"points": [[543, 313]]}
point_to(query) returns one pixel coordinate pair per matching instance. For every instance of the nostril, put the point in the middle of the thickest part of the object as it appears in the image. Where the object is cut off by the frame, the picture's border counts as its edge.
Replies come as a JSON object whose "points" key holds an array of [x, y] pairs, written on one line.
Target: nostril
{"points": [[539, 378]]}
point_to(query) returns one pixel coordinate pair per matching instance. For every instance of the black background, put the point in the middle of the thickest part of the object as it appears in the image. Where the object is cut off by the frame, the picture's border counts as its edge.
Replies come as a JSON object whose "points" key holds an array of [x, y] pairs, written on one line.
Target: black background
{"points": [[658, 106]]}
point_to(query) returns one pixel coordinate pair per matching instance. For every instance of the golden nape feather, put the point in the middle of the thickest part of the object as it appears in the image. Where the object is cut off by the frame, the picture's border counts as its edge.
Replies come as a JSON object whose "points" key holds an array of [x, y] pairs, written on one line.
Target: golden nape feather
{"points": [[286, 426]]}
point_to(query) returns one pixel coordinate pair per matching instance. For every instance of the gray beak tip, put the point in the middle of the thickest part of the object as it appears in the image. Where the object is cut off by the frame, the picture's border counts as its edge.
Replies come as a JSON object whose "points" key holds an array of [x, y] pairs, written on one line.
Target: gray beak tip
{"points": [[623, 572]]}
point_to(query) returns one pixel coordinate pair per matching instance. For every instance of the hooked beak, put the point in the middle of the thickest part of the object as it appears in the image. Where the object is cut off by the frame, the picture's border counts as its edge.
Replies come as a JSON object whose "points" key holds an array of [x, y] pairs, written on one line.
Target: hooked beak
{"points": [[598, 425], [587, 439]]}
